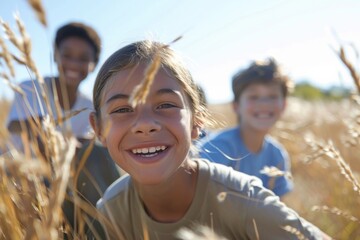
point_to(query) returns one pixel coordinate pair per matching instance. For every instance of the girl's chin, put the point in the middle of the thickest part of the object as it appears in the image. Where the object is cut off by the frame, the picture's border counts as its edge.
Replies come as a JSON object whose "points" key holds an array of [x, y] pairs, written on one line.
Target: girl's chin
{"points": [[149, 180], [146, 160]]}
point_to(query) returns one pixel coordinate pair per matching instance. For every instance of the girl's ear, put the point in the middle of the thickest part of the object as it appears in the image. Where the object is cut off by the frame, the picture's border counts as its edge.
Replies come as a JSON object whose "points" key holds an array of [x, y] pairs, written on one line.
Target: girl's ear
{"points": [[195, 132], [95, 124], [92, 66]]}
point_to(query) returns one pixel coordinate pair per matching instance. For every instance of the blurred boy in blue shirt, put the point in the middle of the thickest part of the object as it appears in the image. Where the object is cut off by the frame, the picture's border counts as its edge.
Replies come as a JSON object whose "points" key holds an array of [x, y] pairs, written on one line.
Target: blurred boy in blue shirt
{"points": [[260, 93]]}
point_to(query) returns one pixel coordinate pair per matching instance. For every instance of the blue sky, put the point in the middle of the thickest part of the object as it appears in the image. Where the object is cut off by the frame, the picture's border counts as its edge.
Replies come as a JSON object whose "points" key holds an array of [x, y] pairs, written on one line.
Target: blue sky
{"points": [[219, 37]]}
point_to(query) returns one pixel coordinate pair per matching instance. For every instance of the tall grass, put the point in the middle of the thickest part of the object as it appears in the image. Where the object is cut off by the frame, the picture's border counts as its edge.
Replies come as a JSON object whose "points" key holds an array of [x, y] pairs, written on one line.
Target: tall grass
{"points": [[324, 166], [35, 182]]}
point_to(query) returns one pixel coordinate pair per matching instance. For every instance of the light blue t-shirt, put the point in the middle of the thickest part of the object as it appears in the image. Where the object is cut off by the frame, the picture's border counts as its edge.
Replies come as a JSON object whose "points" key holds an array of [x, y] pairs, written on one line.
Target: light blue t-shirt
{"points": [[228, 148]]}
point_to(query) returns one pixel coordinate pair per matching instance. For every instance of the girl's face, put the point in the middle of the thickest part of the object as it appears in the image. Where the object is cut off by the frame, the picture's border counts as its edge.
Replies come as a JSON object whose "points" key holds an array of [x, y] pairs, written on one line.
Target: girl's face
{"points": [[75, 58], [152, 140], [260, 106]]}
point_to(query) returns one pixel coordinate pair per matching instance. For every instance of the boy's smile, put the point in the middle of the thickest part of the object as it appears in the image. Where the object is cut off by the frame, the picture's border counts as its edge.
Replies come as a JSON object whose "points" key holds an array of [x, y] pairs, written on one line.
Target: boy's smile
{"points": [[260, 106]]}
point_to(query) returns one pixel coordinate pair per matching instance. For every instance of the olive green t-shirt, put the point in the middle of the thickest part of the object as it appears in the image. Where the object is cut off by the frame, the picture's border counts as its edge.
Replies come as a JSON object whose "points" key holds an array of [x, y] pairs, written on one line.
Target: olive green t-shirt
{"points": [[233, 204]]}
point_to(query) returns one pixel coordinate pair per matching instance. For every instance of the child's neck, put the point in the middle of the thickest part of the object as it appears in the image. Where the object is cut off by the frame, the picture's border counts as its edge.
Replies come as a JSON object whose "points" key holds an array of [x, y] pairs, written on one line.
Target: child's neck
{"points": [[67, 96], [253, 140], [169, 201]]}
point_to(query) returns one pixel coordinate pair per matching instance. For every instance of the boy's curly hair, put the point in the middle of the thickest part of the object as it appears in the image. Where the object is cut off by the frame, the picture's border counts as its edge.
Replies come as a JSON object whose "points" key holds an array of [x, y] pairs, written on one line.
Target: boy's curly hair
{"points": [[77, 29]]}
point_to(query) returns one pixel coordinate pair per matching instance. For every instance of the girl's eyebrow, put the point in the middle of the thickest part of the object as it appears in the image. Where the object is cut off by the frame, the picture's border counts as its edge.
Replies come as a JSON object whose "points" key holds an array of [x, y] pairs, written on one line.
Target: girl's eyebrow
{"points": [[166, 91], [159, 92], [117, 96]]}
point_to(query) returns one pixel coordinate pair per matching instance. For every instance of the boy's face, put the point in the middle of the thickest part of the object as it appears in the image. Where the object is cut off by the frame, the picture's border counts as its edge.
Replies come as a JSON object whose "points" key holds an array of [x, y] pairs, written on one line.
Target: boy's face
{"points": [[75, 58], [260, 106], [152, 140]]}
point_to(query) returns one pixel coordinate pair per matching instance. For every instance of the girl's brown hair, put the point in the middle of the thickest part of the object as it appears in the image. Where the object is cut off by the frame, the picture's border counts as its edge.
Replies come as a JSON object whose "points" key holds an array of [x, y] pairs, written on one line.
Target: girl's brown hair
{"points": [[145, 52]]}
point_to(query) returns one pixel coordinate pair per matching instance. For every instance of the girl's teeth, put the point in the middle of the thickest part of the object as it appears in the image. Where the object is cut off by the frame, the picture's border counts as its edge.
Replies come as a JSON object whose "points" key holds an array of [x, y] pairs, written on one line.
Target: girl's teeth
{"points": [[148, 150]]}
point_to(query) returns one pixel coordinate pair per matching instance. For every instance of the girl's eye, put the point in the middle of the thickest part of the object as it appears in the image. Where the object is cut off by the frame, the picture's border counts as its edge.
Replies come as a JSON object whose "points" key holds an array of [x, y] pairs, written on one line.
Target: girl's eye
{"points": [[122, 110], [166, 105]]}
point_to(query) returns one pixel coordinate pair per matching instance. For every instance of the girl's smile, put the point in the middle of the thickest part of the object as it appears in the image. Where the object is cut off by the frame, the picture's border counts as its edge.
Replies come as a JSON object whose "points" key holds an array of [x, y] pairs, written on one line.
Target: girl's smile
{"points": [[146, 155]]}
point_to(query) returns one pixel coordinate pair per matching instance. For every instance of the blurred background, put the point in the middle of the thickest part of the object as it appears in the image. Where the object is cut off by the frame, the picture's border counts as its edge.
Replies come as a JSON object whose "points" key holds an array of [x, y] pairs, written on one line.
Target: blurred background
{"points": [[219, 37]]}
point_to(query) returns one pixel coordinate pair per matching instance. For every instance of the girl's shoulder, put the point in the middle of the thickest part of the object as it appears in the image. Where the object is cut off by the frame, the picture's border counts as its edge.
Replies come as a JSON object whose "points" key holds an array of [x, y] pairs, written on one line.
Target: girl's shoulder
{"points": [[117, 188], [226, 178]]}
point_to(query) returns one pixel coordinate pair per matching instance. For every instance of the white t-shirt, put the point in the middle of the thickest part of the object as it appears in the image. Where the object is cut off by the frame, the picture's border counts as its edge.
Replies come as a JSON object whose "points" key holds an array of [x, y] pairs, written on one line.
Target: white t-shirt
{"points": [[79, 124]]}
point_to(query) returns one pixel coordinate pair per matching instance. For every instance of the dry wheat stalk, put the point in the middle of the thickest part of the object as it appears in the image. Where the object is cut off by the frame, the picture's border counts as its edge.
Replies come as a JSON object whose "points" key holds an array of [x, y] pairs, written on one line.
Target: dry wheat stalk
{"points": [[7, 57], [336, 211], [23, 44], [275, 172], [31, 208], [354, 73], [320, 150], [39, 10], [140, 93], [296, 232], [11, 36], [256, 230], [138, 96], [37, 211]]}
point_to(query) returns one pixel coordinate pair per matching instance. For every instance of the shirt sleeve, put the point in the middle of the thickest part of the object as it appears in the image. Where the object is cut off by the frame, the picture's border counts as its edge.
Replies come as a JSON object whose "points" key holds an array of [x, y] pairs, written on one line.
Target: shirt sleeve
{"points": [[269, 218], [23, 107]]}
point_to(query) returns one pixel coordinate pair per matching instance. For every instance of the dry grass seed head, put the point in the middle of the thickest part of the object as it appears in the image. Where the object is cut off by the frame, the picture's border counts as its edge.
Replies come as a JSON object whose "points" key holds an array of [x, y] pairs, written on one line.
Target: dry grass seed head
{"points": [[295, 231], [39, 11], [7, 57], [336, 211], [354, 73]]}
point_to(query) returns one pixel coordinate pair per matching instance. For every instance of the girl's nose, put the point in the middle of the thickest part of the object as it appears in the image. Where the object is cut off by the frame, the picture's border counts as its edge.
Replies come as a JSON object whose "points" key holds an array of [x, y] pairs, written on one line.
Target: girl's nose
{"points": [[145, 123]]}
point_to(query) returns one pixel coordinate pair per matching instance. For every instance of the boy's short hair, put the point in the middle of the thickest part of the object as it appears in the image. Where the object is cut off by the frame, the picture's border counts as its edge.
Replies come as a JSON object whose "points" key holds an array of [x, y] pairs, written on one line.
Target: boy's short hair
{"points": [[80, 30], [264, 72]]}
